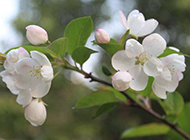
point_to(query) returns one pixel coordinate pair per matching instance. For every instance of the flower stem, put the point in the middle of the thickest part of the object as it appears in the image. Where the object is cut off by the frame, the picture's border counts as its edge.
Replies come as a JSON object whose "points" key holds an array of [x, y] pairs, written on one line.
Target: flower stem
{"points": [[133, 102]]}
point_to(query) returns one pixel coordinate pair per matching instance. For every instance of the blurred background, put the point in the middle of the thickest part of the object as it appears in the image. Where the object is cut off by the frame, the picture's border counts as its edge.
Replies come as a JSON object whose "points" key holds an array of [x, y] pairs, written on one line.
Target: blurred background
{"points": [[63, 121]]}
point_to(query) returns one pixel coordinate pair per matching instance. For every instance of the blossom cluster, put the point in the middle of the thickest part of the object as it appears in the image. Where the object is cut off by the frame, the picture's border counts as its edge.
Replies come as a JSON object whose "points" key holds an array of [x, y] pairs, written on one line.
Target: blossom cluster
{"points": [[139, 61], [29, 76]]}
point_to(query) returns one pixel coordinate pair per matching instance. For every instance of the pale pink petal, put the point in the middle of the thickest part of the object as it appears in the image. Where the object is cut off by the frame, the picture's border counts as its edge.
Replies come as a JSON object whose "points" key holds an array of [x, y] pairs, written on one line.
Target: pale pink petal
{"points": [[154, 44], [24, 97], [123, 20], [173, 84], [140, 79], [40, 57], [159, 91], [133, 48], [42, 89], [120, 61], [149, 26]]}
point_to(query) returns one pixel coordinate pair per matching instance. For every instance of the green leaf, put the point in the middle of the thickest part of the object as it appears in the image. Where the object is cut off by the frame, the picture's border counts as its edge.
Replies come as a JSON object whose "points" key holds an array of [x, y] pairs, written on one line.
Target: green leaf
{"points": [[81, 54], [147, 91], [123, 38], [111, 48], [173, 135], [146, 130], [169, 51], [184, 118], [96, 98], [173, 104], [105, 108], [59, 47], [78, 31], [106, 71]]}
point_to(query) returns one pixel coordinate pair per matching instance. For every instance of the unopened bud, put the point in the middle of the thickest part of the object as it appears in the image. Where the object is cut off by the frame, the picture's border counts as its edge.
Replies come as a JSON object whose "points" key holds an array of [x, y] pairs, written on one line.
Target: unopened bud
{"points": [[102, 36], [121, 80], [35, 112], [36, 35]]}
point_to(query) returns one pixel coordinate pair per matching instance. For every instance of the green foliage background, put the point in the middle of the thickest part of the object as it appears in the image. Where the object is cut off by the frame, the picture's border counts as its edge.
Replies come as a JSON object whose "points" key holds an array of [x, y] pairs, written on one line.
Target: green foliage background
{"points": [[63, 121]]}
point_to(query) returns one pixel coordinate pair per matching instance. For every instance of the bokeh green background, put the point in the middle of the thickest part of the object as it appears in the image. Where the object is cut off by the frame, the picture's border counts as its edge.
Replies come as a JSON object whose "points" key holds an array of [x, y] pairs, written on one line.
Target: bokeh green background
{"points": [[63, 121]]}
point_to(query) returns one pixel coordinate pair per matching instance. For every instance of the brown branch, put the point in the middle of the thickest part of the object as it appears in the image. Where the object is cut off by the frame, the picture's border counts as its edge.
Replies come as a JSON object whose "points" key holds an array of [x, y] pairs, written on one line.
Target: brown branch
{"points": [[134, 103]]}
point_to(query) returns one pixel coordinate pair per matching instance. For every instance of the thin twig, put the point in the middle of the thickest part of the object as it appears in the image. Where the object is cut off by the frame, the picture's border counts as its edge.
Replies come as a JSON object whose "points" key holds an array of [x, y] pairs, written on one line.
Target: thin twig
{"points": [[133, 102]]}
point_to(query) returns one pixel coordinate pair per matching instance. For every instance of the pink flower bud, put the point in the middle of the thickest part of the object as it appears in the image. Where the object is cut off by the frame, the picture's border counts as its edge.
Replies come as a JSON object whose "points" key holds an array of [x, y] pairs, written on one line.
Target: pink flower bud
{"points": [[35, 112], [102, 36], [121, 80], [36, 35]]}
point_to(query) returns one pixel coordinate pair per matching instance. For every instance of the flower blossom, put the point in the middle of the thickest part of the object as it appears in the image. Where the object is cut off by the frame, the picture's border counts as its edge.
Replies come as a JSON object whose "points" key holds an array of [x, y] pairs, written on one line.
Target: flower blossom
{"points": [[35, 112], [168, 79], [36, 35], [102, 36], [27, 76], [140, 60], [137, 25]]}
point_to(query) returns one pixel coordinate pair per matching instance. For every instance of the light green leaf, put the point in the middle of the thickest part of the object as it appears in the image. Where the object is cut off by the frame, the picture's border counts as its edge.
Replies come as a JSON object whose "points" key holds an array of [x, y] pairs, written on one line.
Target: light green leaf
{"points": [[111, 48], [59, 47], [173, 104], [81, 54], [146, 130], [96, 98], [78, 31], [169, 51], [147, 91], [105, 108], [123, 38]]}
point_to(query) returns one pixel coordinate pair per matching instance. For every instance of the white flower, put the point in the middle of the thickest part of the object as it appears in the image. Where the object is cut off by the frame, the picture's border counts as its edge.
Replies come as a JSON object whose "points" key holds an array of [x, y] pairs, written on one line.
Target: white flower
{"points": [[34, 73], [121, 80], [168, 80], [8, 75], [35, 112], [140, 60], [137, 25], [36, 35], [102, 36]]}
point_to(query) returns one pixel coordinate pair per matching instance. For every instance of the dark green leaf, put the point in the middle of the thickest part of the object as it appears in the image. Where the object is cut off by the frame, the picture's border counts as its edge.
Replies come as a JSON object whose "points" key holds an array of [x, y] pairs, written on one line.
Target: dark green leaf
{"points": [[173, 104], [106, 70], [59, 47], [105, 108], [96, 98], [78, 31], [81, 54], [123, 38], [147, 91], [184, 118], [173, 135], [146, 130], [111, 48]]}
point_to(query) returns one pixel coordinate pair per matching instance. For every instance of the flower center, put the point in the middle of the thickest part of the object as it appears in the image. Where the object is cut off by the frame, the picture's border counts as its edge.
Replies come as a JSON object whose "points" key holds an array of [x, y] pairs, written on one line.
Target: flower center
{"points": [[142, 58], [36, 72]]}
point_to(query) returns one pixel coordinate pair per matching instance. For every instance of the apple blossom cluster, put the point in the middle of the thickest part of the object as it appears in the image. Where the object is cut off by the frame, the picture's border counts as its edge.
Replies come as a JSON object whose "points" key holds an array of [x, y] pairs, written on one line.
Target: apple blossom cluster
{"points": [[29, 76], [138, 61]]}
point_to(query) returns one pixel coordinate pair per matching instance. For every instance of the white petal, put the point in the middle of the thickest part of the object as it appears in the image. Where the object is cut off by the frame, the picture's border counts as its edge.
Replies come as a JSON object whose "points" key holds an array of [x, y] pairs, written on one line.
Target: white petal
{"points": [[166, 74], [133, 48], [47, 73], [25, 65], [136, 21], [120, 80], [153, 66], [40, 57], [159, 91], [120, 61], [161, 81], [173, 84], [179, 75], [9, 67], [41, 90], [140, 79], [154, 44], [149, 26], [123, 20], [8, 78], [24, 97]]}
